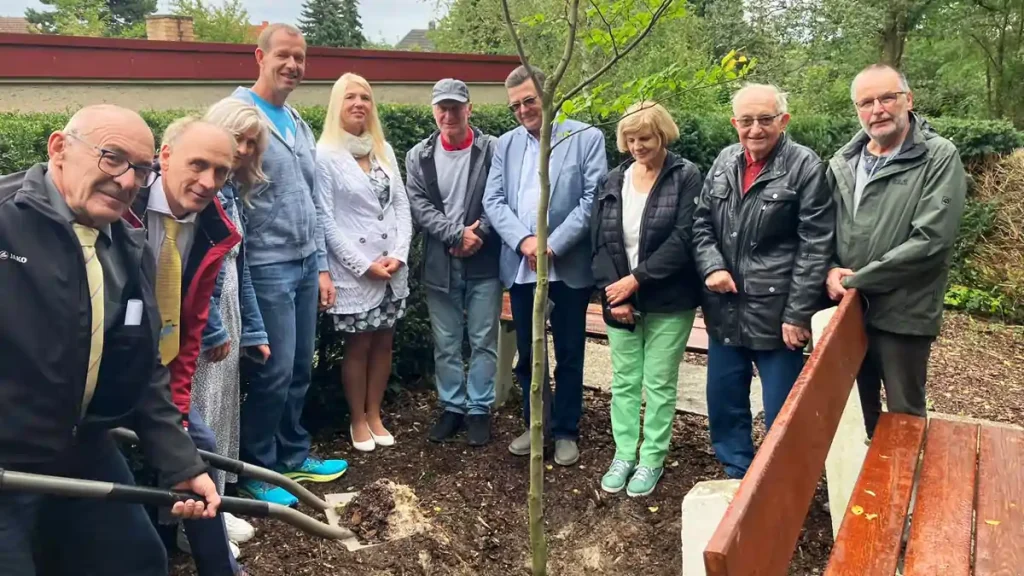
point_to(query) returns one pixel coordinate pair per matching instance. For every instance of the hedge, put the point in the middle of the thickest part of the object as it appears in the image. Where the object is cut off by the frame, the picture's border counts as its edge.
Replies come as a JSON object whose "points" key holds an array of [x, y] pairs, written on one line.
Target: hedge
{"points": [[23, 142], [23, 136]]}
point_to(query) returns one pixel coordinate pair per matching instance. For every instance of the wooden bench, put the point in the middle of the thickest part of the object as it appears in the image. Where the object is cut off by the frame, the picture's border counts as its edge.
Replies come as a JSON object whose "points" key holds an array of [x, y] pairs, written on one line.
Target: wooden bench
{"points": [[596, 328], [960, 471]]}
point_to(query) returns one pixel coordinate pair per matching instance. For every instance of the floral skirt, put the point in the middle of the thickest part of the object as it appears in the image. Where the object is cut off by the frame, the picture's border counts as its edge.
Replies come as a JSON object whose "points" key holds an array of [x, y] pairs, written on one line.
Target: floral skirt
{"points": [[382, 317]]}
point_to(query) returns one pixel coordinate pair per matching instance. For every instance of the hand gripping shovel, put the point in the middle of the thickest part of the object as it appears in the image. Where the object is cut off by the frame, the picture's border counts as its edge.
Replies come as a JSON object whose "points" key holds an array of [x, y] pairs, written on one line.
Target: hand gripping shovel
{"points": [[331, 530], [11, 481]]}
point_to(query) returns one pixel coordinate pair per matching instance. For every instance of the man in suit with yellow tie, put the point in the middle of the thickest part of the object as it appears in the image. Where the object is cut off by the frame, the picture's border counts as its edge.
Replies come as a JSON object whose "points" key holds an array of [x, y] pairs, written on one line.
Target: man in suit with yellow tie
{"points": [[79, 354], [189, 232]]}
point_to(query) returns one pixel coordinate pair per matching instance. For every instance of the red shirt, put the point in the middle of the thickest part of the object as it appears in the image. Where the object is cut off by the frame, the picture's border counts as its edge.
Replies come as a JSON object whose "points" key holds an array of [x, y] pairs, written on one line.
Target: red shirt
{"points": [[462, 146], [752, 170]]}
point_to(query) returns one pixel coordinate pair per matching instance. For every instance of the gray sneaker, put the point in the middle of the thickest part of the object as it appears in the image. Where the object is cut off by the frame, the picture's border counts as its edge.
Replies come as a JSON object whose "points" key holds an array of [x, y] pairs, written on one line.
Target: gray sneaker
{"points": [[566, 452], [521, 445]]}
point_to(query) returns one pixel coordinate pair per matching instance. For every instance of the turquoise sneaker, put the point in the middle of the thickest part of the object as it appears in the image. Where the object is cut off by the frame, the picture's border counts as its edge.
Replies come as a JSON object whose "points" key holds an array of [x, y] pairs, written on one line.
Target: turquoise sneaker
{"points": [[615, 479], [316, 470], [264, 492], [644, 481]]}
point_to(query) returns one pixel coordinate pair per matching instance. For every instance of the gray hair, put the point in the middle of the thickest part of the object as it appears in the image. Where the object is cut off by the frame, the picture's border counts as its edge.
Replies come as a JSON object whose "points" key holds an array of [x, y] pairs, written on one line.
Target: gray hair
{"points": [[781, 101], [521, 75], [182, 125], [903, 84]]}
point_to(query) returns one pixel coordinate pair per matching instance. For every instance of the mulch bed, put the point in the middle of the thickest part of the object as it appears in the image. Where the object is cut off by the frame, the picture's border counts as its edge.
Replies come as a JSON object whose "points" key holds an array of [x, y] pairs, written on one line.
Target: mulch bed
{"points": [[977, 370], [475, 501]]}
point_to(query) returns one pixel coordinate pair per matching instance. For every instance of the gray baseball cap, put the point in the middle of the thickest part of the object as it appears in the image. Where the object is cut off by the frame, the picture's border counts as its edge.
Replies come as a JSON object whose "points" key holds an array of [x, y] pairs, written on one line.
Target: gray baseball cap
{"points": [[450, 89]]}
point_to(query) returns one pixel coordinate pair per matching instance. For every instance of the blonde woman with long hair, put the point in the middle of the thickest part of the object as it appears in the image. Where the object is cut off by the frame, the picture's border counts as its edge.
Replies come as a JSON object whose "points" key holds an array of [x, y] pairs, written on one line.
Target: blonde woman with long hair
{"points": [[368, 229], [235, 326]]}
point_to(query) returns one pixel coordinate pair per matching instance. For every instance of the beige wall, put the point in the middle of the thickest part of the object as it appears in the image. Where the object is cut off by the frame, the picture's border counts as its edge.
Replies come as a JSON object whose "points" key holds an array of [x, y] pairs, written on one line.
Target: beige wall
{"points": [[18, 96]]}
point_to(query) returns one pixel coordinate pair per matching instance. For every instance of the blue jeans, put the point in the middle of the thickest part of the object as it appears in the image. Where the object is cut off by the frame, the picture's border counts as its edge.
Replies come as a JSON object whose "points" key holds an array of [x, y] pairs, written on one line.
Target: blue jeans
{"points": [[476, 304], [80, 536], [271, 434], [569, 333], [208, 538], [730, 371]]}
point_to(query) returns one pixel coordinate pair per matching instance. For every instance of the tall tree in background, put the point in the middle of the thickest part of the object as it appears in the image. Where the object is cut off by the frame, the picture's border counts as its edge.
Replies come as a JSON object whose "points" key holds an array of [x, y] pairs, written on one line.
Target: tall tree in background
{"points": [[228, 22], [120, 18], [332, 23]]}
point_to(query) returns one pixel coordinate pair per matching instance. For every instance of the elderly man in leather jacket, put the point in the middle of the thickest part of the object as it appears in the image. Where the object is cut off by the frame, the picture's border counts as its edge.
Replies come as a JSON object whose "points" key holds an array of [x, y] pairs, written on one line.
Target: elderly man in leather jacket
{"points": [[763, 237]]}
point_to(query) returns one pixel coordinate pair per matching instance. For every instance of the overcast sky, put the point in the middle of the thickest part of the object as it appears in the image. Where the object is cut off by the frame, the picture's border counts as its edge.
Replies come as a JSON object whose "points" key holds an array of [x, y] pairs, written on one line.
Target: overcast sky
{"points": [[387, 20]]}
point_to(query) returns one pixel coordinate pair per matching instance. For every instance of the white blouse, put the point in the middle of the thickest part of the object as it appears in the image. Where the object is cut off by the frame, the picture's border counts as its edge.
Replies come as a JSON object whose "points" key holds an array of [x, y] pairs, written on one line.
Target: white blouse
{"points": [[633, 204]]}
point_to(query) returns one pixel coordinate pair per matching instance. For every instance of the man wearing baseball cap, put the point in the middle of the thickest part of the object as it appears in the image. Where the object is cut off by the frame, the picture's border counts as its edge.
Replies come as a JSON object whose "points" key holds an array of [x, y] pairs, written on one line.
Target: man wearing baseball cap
{"points": [[447, 174]]}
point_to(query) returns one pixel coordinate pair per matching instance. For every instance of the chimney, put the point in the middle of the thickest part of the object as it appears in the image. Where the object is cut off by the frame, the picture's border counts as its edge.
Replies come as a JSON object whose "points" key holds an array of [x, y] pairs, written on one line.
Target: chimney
{"points": [[169, 28], [432, 25]]}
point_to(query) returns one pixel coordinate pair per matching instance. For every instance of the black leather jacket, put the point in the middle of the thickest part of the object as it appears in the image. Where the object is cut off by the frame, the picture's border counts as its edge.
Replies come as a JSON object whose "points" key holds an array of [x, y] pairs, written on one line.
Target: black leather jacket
{"points": [[666, 273], [776, 242]]}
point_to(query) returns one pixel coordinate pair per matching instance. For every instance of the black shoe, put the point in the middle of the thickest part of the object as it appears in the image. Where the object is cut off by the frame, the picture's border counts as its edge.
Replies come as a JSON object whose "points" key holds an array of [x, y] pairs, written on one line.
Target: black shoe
{"points": [[478, 429], [446, 427]]}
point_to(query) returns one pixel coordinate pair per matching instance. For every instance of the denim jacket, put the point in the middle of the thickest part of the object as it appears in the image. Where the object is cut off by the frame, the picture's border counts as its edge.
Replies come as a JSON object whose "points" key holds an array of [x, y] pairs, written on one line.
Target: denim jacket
{"points": [[253, 331]]}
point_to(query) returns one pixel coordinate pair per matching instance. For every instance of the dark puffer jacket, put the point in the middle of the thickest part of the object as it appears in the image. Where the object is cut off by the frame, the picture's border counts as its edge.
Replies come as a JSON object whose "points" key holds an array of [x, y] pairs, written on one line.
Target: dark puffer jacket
{"points": [[776, 241], [665, 271]]}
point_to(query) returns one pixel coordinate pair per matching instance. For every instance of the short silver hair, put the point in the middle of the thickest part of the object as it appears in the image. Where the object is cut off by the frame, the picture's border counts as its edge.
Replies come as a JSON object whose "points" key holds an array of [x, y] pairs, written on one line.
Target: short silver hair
{"points": [[781, 101], [903, 84], [175, 130], [521, 75]]}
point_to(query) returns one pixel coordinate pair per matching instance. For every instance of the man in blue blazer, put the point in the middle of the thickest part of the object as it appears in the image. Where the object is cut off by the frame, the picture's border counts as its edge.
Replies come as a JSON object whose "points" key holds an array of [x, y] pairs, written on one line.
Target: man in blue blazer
{"points": [[510, 202]]}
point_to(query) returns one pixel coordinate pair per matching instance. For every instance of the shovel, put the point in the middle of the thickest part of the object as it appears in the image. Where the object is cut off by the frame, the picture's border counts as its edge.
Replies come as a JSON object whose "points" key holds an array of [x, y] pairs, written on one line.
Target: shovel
{"points": [[328, 505], [11, 481]]}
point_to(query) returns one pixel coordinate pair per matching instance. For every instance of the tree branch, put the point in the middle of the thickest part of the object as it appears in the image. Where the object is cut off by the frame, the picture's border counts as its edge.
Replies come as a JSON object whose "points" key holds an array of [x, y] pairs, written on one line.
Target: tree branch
{"points": [[633, 44], [518, 42], [611, 32], [563, 64], [661, 100]]}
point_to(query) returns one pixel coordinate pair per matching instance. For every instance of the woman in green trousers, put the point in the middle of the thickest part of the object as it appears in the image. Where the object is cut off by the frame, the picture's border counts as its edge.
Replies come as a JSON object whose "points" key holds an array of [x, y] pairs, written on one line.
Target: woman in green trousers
{"points": [[650, 289]]}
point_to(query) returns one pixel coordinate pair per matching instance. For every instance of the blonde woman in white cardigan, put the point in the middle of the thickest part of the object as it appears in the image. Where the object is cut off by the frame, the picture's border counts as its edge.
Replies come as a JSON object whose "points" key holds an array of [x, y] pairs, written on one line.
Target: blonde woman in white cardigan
{"points": [[368, 228]]}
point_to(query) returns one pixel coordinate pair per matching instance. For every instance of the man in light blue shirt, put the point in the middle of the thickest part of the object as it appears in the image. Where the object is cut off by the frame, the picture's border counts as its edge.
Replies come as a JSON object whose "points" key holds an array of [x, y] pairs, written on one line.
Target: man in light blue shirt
{"points": [[288, 264], [510, 201]]}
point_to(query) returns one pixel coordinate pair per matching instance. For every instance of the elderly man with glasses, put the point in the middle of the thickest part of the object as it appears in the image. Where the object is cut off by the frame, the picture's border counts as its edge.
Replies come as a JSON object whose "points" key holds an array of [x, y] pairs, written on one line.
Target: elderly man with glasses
{"points": [[762, 236], [899, 190], [79, 333]]}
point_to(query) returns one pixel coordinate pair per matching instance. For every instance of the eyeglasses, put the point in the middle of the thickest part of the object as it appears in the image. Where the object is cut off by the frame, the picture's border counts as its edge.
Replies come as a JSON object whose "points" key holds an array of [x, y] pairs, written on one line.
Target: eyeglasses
{"points": [[114, 164], [886, 100], [763, 121], [528, 101]]}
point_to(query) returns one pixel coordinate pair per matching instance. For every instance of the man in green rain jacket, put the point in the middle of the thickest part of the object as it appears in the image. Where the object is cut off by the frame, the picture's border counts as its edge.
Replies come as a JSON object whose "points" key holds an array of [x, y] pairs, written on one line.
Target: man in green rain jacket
{"points": [[899, 190]]}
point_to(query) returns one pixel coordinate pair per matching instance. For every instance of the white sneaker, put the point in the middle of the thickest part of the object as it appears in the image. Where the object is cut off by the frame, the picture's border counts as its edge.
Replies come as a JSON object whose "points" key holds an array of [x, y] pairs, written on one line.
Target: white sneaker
{"points": [[183, 545], [239, 531]]}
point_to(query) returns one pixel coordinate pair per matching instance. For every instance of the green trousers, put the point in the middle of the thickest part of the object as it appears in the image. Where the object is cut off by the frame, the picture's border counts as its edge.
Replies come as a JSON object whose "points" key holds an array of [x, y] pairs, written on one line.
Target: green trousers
{"points": [[646, 362]]}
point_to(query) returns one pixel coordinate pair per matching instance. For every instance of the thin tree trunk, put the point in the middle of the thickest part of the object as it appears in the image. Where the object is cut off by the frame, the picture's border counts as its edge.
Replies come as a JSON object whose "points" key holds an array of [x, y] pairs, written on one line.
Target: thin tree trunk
{"points": [[538, 542]]}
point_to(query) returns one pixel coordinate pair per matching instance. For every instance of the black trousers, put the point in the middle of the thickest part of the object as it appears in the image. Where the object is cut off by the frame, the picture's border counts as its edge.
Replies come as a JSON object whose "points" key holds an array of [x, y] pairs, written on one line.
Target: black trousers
{"points": [[80, 537], [900, 363]]}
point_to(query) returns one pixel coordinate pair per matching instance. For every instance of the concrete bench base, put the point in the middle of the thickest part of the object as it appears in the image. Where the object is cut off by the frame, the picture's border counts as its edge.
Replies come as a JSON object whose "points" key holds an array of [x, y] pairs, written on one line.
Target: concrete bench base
{"points": [[702, 509]]}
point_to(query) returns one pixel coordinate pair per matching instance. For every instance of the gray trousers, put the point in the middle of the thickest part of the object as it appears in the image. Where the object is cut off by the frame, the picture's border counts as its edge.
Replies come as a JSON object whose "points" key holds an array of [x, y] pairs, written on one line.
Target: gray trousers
{"points": [[900, 363]]}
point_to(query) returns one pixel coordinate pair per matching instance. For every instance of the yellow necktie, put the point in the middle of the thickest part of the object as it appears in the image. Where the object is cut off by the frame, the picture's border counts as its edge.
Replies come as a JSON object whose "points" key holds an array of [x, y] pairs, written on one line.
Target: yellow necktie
{"points": [[94, 272], [168, 291]]}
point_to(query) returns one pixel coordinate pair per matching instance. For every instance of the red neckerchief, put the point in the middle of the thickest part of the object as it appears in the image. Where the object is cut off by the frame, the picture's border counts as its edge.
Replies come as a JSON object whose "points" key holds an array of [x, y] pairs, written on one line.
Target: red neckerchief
{"points": [[465, 143]]}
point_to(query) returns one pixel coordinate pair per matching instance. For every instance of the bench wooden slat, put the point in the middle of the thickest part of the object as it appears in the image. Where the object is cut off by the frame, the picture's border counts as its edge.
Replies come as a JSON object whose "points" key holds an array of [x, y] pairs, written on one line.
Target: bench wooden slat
{"points": [[999, 547], [869, 542], [940, 532], [760, 528], [698, 341]]}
